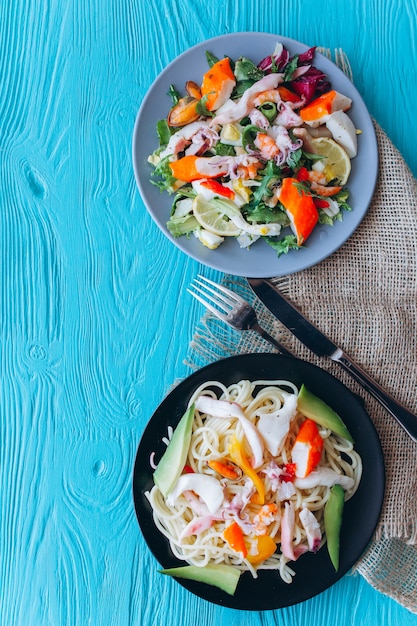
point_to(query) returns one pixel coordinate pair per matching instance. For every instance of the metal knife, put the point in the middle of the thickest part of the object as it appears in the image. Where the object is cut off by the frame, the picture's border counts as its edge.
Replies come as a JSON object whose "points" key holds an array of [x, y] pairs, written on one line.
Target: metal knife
{"points": [[321, 345]]}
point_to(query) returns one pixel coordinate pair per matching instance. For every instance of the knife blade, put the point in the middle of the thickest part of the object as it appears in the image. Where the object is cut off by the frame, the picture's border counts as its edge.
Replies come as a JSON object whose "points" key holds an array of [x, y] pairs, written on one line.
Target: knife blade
{"points": [[321, 345]]}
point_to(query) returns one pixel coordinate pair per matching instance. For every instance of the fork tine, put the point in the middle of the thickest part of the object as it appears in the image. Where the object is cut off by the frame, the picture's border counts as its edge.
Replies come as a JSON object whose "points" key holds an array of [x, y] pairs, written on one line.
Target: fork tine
{"points": [[208, 306], [231, 294], [218, 300]]}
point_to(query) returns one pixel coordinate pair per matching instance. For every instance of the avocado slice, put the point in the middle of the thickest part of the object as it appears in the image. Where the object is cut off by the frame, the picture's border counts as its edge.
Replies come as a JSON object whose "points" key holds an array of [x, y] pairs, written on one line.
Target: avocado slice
{"points": [[223, 576], [333, 513], [173, 460], [313, 407]]}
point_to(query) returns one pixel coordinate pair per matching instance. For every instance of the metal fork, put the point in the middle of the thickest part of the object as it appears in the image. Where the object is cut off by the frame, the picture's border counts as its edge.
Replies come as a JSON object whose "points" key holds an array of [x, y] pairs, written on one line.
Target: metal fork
{"points": [[231, 308]]}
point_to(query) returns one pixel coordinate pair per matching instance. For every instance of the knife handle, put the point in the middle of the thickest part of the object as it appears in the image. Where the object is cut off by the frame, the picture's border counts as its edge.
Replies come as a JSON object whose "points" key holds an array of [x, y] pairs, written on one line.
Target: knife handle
{"points": [[404, 417]]}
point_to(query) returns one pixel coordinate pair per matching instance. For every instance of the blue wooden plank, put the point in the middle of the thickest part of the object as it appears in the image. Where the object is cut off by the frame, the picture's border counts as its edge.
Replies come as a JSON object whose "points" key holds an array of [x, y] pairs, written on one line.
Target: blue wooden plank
{"points": [[95, 323]]}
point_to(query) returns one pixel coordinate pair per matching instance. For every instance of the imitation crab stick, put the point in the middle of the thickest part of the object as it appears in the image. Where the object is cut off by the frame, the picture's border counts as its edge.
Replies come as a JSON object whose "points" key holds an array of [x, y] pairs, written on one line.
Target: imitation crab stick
{"points": [[218, 83], [190, 167], [218, 189], [299, 207], [324, 105], [307, 449]]}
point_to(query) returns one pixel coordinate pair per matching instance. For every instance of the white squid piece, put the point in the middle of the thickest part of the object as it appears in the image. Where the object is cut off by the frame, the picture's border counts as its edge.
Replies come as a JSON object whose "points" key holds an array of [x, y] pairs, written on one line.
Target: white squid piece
{"points": [[223, 408]]}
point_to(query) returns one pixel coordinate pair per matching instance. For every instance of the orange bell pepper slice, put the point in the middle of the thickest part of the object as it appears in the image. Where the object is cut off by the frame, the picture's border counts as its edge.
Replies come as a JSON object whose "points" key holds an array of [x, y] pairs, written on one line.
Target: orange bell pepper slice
{"points": [[238, 457], [300, 208], [233, 534]]}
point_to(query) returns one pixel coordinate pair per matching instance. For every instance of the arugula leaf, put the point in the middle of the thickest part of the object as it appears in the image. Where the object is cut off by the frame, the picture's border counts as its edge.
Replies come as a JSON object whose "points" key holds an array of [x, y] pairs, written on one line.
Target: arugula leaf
{"points": [[223, 149], [211, 59], [173, 94], [312, 158], [290, 69], [284, 245], [263, 214], [201, 107], [294, 158], [270, 175], [163, 170], [240, 88], [342, 199], [326, 219], [164, 133]]}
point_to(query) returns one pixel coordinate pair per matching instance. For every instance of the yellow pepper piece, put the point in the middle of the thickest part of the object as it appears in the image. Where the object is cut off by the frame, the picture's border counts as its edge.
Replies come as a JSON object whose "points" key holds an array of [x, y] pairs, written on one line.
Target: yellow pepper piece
{"points": [[238, 457], [266, 547]]}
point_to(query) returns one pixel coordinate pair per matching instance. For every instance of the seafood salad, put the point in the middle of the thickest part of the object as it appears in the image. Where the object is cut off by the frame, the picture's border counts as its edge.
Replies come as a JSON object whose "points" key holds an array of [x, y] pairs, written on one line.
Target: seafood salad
{"points": [[256, 151]]}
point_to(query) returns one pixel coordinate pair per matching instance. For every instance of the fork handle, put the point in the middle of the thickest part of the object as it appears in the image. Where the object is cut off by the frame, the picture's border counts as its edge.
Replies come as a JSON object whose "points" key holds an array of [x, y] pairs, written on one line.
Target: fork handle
{"points": [[261, 331]]}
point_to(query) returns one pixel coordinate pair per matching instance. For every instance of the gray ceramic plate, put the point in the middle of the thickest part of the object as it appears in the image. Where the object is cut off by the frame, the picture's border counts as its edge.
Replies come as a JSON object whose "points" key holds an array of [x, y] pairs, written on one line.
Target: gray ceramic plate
{"points": [[260, 261]]}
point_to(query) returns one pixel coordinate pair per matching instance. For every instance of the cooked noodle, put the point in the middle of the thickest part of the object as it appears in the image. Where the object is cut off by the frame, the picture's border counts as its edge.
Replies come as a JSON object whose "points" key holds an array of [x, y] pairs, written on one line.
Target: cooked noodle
{"points": [[211, 437]]}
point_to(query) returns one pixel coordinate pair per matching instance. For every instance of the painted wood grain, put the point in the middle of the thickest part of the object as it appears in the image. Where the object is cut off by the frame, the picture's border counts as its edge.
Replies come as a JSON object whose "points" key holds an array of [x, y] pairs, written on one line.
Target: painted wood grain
{"points": [[95, 322]]}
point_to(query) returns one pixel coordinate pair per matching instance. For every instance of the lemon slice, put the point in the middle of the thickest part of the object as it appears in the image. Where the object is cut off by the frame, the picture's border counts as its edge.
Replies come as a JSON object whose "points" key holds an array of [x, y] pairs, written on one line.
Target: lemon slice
{"points": [[216, 217], [336, 162]]}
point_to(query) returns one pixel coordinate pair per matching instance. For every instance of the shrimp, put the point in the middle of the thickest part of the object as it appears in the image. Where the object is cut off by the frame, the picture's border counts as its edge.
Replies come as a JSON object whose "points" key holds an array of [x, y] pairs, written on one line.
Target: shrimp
{"points": [[270, 95], [267, 146], [249, 171], [317, 177], [267, 515]]}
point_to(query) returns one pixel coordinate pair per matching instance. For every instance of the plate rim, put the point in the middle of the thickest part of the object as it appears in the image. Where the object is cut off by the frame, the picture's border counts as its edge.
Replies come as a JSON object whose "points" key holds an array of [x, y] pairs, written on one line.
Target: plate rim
{"points": [[213, 594]]}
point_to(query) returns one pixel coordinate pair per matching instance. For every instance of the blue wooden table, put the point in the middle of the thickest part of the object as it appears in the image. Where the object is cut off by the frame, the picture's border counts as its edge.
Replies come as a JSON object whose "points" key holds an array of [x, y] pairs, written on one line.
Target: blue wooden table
{"points": [[95, 320]]}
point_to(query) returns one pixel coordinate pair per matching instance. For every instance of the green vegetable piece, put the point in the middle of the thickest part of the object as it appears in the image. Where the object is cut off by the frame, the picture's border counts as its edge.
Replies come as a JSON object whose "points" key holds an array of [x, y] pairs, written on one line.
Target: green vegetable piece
{"points": [[313, 407], [249, 135], [211, 59], [223, 576], [173, 94], [173, 460], [333, 513], [179, 226], [246, 70], [270, 110]]}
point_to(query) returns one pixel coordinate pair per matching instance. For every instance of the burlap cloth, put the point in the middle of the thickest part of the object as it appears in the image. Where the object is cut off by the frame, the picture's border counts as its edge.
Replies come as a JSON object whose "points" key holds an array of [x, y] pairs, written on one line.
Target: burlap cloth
{"points": [[364, 297]]}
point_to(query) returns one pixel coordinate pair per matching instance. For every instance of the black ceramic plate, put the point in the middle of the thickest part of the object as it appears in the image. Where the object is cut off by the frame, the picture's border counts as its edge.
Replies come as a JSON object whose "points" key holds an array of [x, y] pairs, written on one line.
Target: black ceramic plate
{"points": [[314, 572]]}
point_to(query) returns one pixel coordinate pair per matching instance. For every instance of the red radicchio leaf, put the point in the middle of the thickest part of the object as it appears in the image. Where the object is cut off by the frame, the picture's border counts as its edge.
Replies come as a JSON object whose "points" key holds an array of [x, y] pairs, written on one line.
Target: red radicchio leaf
{"points": [[279, 62], [311, 83], [306, 57]]}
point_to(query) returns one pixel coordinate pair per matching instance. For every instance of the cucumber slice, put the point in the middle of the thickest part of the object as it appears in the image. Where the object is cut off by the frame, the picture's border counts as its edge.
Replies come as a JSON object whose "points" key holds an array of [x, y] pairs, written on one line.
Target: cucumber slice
{"points": [[313, 407], [173, 460], [222, 576], [333, 513]]}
